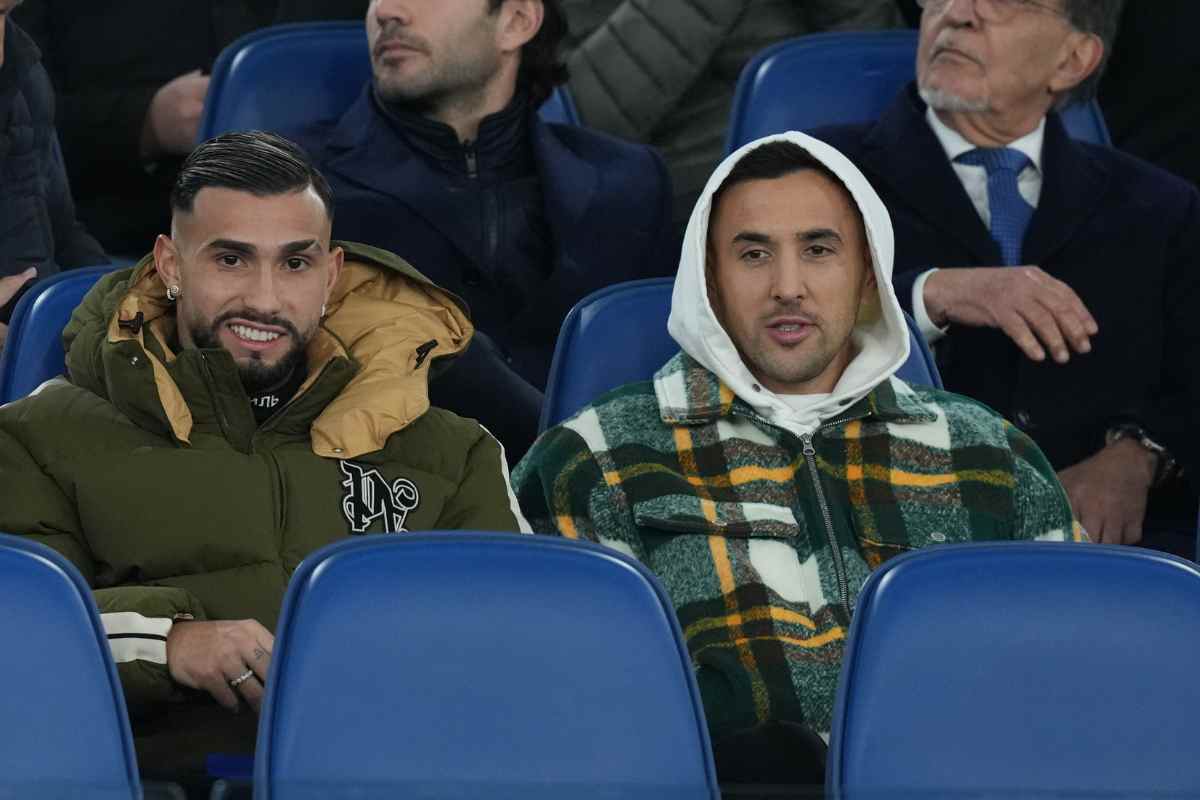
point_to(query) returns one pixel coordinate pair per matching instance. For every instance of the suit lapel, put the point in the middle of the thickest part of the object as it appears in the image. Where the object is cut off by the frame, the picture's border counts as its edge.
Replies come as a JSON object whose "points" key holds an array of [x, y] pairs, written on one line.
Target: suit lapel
{"points": [[902, 151], [1073, 184]]}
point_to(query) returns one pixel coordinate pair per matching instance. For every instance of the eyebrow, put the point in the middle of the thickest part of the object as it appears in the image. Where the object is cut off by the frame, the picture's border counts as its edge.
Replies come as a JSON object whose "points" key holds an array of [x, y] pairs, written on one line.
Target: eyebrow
{"points": [[247, 249], [811, 235]]}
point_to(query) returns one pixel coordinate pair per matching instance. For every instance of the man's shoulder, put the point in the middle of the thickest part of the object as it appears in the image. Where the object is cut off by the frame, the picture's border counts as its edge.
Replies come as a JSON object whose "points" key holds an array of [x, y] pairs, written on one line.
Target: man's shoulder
{"points": [[605, 151], [1134, 179], [847, 139], [967, 421], [628, 413]]}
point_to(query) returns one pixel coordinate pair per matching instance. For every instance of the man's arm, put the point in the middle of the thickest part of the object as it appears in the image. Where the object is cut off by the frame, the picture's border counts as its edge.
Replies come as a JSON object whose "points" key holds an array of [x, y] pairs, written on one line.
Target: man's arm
{"points": [[1041, 508], [73, 246], [633, 68], [484, 500], [563, 492], [154, 650]]}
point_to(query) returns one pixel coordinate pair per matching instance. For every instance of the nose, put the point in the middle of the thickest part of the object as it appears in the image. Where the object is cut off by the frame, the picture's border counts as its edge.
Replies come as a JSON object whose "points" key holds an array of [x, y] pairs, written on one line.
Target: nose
{"points": [[390, 11], [262, 294], [960, 12], [789, 281]]}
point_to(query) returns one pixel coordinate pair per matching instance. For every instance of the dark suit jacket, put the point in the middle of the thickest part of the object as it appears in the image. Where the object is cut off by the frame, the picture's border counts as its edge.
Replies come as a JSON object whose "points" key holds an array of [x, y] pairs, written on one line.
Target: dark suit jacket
{"points": [[607, 205], [1123, 234]]}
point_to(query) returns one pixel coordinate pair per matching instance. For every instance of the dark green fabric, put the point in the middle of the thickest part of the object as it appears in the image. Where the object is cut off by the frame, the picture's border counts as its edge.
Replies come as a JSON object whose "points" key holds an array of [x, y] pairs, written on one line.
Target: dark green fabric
{"points": [[213, 528]]}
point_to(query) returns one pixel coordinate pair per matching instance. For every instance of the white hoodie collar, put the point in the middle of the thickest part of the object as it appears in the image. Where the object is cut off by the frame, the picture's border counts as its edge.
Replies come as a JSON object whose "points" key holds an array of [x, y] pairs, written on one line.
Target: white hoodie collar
{"points": [[882, 345]]}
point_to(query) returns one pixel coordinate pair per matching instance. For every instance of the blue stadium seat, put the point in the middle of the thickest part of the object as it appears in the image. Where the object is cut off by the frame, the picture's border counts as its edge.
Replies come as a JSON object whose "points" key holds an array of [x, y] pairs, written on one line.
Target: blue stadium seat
{"points": [[618, 335], [65, 731], [1021, 670], [287, 77], [33, 353], [471, 665], [843, 78]]}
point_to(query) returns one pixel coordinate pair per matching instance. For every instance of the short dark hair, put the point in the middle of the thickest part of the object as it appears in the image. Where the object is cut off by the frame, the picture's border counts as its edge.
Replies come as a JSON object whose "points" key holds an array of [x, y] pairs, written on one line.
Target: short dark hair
{"points": [[776, 160], [257, 162], [542, 67], [1099, 17]]}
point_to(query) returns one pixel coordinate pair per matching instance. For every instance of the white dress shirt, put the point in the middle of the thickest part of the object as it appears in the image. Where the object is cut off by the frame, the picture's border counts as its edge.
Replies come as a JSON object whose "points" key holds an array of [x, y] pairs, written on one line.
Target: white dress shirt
{"points": [[974, 181]]}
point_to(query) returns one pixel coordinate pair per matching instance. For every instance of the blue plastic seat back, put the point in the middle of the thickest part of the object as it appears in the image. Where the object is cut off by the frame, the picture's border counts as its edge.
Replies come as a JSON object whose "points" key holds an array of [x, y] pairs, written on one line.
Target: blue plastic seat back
{"points": [[618, 335], [480, 665], [844, 78], [33, 353], [1021, 670], [65, 731], [287, 77]]}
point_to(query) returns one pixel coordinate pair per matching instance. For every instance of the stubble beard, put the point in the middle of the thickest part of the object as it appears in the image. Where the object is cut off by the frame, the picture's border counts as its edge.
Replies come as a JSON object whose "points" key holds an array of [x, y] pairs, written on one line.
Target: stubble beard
{"points": [[942, 100]]}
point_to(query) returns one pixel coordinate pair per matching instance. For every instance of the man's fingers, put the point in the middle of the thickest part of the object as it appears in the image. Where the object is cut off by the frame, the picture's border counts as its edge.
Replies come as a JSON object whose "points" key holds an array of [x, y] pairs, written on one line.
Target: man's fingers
{"points": [[223, 693], [1045, 327], [1018, 330], [12, 284], [252, 691]]}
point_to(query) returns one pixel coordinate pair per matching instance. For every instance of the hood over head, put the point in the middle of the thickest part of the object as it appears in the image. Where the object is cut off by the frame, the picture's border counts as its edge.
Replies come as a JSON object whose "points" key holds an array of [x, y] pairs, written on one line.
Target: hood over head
{"points": [[881, 344]]}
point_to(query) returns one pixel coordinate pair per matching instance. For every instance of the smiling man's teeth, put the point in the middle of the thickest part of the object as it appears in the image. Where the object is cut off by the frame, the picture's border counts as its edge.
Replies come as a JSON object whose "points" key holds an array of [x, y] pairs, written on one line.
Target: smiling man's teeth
{"points": [[253, 334], [789, 327]]}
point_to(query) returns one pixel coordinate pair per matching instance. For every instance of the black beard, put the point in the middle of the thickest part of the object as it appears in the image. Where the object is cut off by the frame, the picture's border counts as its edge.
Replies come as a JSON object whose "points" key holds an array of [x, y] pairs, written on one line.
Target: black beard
{"points": [[257, 377]]}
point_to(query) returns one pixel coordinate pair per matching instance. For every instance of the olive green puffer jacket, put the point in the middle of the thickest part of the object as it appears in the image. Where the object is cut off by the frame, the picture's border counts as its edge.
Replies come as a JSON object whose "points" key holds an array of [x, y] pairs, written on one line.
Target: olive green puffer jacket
{"points": [[148, 471]]}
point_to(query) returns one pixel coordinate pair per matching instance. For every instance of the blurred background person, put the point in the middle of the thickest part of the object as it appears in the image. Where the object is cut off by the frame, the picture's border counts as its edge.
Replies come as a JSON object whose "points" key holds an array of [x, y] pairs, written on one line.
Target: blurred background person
{"points": [[38, 230], [131, 79], [664, 71]]}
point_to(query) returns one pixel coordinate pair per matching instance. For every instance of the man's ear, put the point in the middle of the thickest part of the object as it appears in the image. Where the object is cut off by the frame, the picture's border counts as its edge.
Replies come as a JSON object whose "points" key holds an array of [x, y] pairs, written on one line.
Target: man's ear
{"points": [[166, 261], [337, 259], [1082, 55], [520, 21]]}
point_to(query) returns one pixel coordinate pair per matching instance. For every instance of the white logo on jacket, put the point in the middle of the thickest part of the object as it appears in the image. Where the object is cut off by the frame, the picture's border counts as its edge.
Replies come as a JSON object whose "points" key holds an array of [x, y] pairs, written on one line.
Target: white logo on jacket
{"points": [[370, 497]]}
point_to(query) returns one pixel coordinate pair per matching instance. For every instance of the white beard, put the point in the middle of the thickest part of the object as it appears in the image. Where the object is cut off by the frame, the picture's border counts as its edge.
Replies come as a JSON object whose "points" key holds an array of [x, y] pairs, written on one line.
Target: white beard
{"points": [[940, 100]]}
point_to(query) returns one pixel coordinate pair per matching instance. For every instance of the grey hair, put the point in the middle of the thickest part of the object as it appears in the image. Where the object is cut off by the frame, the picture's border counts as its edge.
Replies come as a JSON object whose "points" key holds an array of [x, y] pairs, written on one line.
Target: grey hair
{"points": [[1098, 17]]}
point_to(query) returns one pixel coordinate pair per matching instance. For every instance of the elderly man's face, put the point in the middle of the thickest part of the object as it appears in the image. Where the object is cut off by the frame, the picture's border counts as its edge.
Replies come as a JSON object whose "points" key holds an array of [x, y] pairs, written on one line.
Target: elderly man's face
{"points": [[429, 50], [966, 62], [254, 273], [788, 270]]}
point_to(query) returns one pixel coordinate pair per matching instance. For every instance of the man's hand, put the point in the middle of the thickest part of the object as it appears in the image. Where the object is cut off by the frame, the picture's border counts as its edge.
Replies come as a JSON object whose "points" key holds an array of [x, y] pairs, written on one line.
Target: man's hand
{"points": [[1108, 491], [173, 118], [208, 655], [1037, 311], [8, 290]]}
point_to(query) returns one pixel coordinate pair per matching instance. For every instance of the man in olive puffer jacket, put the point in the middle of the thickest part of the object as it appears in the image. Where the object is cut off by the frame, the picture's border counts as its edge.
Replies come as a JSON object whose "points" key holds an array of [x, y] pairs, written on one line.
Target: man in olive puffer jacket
{"points": [[242, 397]]}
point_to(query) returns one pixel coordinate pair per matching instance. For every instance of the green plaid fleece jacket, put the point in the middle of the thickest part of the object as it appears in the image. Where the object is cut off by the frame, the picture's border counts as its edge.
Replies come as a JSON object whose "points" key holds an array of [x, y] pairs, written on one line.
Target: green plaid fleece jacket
{"points": [[763, 538]]}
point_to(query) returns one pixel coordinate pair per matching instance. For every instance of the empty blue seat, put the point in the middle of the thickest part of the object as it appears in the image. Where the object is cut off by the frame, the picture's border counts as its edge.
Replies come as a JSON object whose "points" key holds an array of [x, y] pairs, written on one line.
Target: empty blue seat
{"points": [[1021, 670], [618, 335], [33, 353], [472, 665], [287, 77], [842, 78], [65, 732]]}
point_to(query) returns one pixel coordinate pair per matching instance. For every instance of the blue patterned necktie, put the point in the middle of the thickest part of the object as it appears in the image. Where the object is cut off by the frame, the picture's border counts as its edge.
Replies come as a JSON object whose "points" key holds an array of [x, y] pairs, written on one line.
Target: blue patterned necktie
{"points": [[1010, 213]]}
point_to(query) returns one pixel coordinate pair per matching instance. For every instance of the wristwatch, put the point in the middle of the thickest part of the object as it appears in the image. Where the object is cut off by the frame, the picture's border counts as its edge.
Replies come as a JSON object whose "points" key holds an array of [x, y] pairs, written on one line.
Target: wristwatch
{"points": [[1165, 463]]}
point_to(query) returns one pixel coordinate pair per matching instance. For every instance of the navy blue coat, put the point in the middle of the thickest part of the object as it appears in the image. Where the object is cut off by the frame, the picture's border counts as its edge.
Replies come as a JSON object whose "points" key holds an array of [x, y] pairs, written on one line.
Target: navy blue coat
{"points": [[37, 216], [607, 203], [1123, 234]]}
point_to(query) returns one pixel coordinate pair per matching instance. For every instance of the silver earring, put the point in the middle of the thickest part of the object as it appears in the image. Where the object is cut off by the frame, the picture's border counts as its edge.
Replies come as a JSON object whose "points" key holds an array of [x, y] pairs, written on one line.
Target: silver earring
{"points": [[322, 309], [172, 293]]}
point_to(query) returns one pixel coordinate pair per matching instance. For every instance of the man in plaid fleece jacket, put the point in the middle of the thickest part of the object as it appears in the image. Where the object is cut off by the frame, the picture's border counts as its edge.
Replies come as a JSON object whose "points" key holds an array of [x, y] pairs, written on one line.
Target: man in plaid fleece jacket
{"points": [[776, 460]]}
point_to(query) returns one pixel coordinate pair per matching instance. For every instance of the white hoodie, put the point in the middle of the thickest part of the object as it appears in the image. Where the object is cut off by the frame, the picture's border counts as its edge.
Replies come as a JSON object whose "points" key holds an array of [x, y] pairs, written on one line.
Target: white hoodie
{"points": [[882, 345]]}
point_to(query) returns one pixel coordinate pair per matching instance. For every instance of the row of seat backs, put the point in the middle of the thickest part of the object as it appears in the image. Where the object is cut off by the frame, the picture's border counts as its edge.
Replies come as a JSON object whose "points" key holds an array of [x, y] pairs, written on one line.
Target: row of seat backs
{"points": [[435, 665], [504, 666], [845, 78], [287, 77]]}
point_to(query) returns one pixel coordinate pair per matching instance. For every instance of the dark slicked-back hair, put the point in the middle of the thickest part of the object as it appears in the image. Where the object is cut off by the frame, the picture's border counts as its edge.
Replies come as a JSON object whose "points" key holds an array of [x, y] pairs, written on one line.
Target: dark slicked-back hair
{"points": [[1100, 17], [257, 162], [542, 67], [776, 160]]}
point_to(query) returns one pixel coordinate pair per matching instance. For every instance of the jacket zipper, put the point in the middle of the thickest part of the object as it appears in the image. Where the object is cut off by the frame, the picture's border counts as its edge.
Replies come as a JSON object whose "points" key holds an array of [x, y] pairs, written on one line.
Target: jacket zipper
{"points": [[472, 160], [839, 566]]}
